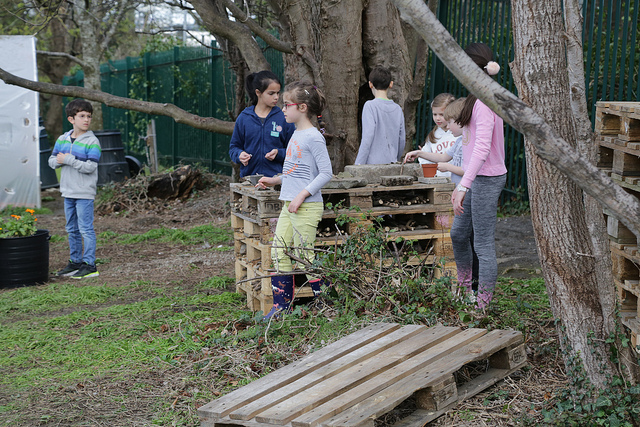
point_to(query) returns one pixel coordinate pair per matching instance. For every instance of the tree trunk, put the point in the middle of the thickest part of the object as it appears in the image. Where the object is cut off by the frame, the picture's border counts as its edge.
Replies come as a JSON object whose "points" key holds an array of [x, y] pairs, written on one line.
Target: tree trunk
{"points": [[384, 44], [571, 265], [597, 228], [91, 54]]}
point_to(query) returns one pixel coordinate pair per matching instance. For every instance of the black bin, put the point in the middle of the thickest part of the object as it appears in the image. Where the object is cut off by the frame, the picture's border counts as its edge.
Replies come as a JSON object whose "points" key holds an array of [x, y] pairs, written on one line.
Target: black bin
{"points": [[24, 261], [48, 177], [113, 166]]}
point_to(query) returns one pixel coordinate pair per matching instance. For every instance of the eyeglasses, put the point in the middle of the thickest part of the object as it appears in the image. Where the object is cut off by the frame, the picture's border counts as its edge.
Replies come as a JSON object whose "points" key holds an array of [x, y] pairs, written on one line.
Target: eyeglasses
{"points": [[285, 106]]}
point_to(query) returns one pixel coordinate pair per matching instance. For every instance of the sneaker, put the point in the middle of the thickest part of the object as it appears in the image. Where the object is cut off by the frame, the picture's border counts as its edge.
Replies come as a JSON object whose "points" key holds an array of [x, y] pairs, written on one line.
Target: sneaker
{"points": [[71, 269], [85, 271]]}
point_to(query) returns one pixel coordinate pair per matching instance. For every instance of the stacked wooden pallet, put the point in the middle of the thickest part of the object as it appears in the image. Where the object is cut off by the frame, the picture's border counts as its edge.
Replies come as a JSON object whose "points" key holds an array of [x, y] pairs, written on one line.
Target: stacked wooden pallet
{"points": [[420, 212], [618, 137]]}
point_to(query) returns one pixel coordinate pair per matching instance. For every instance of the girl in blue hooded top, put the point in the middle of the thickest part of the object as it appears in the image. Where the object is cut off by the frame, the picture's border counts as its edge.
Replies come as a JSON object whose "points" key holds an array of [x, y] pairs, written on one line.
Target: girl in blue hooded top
{"points": [[261, 133]]}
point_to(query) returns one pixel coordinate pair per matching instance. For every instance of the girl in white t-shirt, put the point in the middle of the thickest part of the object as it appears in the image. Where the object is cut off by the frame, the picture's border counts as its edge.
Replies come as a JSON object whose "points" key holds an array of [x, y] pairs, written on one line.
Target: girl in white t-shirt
{"points": [[440, 139]]}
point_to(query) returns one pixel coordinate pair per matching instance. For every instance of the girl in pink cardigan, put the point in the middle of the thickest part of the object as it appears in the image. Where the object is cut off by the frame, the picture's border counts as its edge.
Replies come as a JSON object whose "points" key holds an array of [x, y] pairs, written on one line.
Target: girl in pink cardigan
{"points": [[475, 199]]}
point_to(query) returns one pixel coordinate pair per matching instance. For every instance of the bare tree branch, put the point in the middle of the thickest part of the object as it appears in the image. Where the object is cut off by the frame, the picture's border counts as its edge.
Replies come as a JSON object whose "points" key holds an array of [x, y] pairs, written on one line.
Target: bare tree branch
{"points": [[123, 7], [62, 55], [257, 29], [178, 114], [548, 144], [236, 32]]}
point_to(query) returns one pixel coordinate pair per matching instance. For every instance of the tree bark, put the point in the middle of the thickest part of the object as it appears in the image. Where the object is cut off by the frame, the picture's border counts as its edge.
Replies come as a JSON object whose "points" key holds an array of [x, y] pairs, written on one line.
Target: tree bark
{"points": [[384, 44], [585, 142], [577, 305], [565, 247], [234, 31]]}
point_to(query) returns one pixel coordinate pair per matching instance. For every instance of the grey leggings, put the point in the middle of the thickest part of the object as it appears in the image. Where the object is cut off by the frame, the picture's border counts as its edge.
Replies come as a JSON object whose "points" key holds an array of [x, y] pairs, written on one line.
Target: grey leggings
{"points": [[479, 217]]}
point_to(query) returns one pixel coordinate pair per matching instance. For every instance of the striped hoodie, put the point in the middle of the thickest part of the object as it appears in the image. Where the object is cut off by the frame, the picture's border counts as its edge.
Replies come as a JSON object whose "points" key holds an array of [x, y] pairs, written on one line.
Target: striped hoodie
{"points": [[79, 174]]}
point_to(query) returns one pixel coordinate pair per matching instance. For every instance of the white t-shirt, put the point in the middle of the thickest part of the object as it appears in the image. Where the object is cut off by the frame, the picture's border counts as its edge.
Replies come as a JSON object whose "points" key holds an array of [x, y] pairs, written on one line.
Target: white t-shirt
{"points": [[445, 141]]}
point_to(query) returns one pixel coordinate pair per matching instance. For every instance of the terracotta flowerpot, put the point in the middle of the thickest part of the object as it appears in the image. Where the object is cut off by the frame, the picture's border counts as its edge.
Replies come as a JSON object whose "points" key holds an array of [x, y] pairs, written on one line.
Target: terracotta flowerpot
{"points": [[24, 261], [429, 169]]}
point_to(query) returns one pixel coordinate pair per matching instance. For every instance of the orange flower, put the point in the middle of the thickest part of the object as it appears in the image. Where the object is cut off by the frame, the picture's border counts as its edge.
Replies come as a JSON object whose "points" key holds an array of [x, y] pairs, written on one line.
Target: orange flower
{"points": [[35, 219], [31, 211], [15, 216]]}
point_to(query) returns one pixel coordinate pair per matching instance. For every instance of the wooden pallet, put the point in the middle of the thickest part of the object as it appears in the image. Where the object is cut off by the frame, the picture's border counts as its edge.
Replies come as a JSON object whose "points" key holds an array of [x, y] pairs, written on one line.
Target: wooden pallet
{"points": [[368, 373], [618, 118], [255, 204]]}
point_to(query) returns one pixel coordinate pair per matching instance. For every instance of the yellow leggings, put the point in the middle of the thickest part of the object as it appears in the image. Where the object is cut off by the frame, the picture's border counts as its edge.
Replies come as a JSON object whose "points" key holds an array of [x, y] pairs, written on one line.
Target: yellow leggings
{"points": [[294, 232]]}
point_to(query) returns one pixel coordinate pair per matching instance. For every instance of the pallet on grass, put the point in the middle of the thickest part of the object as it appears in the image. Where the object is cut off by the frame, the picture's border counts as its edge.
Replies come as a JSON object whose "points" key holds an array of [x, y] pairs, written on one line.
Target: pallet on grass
{"points": [[368, 373]]}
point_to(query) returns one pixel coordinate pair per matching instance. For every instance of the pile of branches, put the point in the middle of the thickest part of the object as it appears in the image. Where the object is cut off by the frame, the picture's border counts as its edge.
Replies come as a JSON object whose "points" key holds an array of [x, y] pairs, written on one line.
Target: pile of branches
{"points": [[151, 193]]}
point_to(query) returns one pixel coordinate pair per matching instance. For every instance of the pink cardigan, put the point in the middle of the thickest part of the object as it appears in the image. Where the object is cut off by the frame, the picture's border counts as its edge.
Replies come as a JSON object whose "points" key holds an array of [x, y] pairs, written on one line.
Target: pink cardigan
{"points": [[482, 145]]}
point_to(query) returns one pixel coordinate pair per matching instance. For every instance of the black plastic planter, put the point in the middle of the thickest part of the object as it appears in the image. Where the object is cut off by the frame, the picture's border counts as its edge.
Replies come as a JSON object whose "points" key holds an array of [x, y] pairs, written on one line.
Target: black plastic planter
{"points": [[24, 261]]}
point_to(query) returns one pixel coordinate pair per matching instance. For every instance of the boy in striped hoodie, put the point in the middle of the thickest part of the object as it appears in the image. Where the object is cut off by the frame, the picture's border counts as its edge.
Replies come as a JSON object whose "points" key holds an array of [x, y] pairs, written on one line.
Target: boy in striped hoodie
{"points": [[77, 153]]}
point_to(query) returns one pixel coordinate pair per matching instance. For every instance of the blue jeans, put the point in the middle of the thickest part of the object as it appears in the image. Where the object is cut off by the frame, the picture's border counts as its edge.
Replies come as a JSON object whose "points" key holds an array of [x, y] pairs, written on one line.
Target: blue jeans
{"points": [[79, 215]]}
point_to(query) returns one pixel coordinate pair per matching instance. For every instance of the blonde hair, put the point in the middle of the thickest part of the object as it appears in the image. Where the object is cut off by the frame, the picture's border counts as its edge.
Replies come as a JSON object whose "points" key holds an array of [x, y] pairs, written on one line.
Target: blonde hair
{"points": [[453, 110], [440, 101]]}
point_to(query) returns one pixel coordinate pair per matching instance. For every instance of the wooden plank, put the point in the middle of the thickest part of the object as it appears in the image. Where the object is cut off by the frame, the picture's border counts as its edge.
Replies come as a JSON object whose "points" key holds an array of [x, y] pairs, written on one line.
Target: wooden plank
{"points": [[341, 407], [622, 267], [393, 395], [236, 399], [629, 129], [625, 163], [617, 230], [364, 376]]}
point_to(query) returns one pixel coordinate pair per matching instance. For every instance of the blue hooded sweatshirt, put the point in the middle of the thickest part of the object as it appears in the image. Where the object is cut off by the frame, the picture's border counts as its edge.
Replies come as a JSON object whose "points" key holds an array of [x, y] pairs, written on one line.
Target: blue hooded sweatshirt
{"points": [[250, 134]]}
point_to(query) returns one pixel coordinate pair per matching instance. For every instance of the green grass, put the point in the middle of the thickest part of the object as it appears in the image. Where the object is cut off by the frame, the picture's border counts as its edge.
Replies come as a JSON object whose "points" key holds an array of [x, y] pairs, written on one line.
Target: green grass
{"points": [[31, 300], [126, 337], [201, 234], [207, 339]]}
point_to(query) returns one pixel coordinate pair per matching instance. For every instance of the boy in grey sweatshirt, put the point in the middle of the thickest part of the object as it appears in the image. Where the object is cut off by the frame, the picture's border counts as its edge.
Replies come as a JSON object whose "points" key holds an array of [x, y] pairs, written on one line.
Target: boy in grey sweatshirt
{"points": [[383, 133], [77, 153]]}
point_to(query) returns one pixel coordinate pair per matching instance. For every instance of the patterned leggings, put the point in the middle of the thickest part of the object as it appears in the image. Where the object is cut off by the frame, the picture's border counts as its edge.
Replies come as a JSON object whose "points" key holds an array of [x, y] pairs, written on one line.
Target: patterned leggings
{"points": [[479, 217]]}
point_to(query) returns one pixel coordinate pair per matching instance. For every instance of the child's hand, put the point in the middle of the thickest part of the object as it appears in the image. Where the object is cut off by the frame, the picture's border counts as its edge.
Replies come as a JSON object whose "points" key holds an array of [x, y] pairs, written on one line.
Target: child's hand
{"points": [[295, 203], [60, 158], [244, 158], [444, 167], [411, 156], [457, 198], [265, 182], [271, 155]]}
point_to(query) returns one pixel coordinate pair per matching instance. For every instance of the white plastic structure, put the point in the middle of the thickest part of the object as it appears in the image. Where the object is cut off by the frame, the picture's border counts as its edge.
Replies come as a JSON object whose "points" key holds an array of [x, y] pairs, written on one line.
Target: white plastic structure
{"points": [[19, 132]]}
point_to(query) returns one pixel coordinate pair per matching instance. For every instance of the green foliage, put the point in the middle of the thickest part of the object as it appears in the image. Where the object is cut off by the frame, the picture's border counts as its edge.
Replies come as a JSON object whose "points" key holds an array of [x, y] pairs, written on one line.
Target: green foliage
{"points": [[516, 206], [218, 282], [19, 225], [581, 403]]}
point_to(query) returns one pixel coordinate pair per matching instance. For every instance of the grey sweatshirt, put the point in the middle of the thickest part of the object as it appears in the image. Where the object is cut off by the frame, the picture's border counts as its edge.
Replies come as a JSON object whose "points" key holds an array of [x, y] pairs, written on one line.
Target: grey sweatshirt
{"points": [[79, 174], [383, 134], [306, 166]]}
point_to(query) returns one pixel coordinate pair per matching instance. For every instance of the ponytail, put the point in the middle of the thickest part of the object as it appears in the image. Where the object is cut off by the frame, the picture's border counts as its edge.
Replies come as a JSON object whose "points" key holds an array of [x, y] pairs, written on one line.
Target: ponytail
{"points": [[482, 55]]}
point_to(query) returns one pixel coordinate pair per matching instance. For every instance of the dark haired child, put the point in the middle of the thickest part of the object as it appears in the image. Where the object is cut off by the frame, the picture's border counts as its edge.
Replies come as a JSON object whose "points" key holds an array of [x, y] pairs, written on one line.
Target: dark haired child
{"points": [[475, 199], [77, 153], [383, 132], [307, 168], [261, 133]]}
